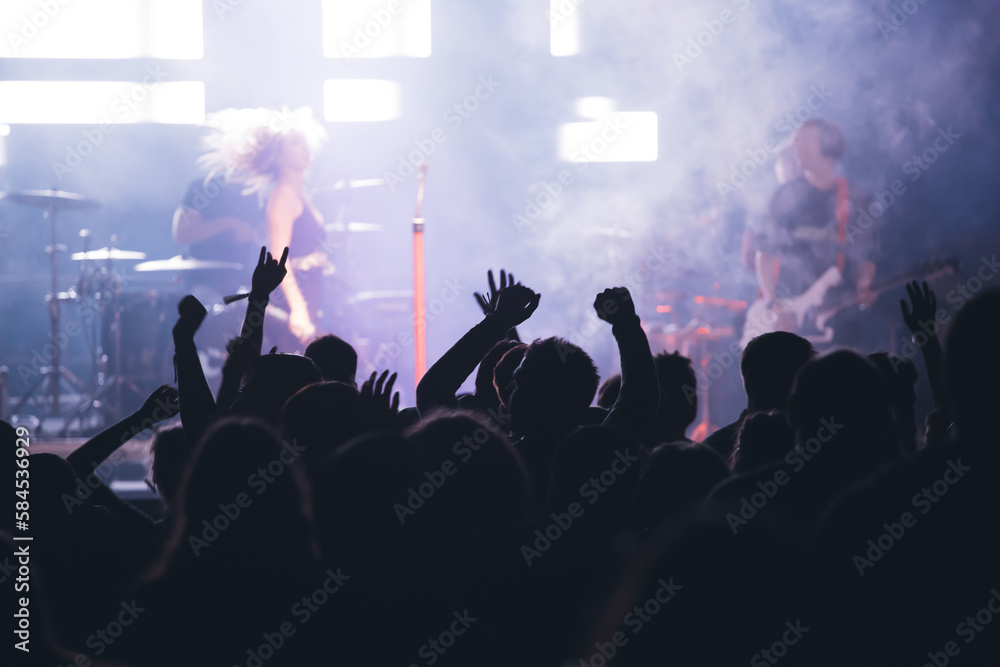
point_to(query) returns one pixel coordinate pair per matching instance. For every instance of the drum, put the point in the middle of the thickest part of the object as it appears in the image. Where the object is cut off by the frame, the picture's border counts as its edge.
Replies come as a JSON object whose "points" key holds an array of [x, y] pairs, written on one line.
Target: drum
{"points": [[145, 356]]}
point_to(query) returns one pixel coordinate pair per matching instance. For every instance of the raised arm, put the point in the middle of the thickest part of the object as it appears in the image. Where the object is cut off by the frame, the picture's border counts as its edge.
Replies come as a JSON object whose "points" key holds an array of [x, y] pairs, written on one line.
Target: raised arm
{"points": [[195, 396], [639, 396], [921, 319], [437, 388], [488, 301], [243, 350], [162, 404]]}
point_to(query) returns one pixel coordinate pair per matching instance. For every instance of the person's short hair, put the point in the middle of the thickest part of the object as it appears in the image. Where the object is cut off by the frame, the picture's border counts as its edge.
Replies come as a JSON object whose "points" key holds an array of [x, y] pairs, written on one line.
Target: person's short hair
{"points": [[503, 373], [486, 390], [831, 138], [769, 364], [564, 378], [336, 358], [678, 388], [272, 380], [321, 417], [764, 437], [845, 389]]}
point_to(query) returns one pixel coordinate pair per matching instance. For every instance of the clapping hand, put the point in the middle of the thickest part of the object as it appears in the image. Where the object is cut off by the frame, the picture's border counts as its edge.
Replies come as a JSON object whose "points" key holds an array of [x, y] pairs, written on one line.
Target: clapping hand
{"points": [[515, 304], [488, 302]]}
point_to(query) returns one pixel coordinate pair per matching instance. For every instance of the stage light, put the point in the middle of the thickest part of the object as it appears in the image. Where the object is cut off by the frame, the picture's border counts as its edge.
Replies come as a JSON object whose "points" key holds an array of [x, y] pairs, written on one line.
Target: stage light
{"points": [[376, 28], [360, 100], [628, 136], [564, 27], [102, 29], [101, 102]]}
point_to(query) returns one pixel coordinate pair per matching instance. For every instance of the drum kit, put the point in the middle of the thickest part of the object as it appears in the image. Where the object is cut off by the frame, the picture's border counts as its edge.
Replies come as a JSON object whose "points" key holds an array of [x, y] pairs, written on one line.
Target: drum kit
{"points": [[124, 326], [129, 329]]}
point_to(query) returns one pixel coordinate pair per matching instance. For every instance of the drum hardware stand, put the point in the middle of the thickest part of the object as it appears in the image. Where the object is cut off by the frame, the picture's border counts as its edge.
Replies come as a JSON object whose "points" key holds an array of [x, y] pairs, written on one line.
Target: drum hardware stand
{"points": [[52, 376]]}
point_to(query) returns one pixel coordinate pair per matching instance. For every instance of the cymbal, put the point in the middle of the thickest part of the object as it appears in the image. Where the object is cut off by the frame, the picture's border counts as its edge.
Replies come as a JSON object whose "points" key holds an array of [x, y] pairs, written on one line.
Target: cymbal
{"points": [[179, 263], [354, 227], [381, 295], [108, 253], [53, 198], [349, 184]]}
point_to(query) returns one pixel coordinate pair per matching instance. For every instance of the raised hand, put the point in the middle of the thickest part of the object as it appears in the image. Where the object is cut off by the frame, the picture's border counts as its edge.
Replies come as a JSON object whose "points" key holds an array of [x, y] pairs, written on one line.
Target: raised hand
{"points": [[191, 313], [376, 408], [515, 304], [160, 405], [615, 306], [922, 315], [269, 272], [488, 302]]}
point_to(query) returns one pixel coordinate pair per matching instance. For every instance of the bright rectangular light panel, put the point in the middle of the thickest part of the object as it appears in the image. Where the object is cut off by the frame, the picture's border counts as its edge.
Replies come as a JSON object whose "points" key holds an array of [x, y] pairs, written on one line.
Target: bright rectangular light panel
{"points": [[361, 100], [97, 102], [629, 136], [101, 29], [376, 28], [564, 27]]}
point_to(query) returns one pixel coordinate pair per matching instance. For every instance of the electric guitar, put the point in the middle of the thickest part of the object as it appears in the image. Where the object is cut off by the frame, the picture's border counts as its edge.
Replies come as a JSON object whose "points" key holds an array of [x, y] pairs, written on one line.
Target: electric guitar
{"points": [[808, 316]]}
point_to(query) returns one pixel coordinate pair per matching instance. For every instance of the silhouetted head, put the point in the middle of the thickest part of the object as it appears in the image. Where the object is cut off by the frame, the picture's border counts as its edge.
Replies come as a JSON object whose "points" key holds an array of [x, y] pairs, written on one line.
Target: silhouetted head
{"points": [[486, 391], [607, 394], [972, 361], [171, 455], [271, 381], [840, 404], [553, 387], [677, 477], [335, 357], [503, 374], [478, 478], [239, 466], [678, 397], [320, 417], [769, 365], [901, 378], [764, 437], [366, 517], [818, 142]]}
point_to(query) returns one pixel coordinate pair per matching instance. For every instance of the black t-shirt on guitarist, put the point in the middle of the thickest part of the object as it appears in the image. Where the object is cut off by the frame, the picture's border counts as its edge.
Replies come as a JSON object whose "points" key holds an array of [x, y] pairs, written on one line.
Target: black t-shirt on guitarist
{"points": [[802, 231], [221, 198]]}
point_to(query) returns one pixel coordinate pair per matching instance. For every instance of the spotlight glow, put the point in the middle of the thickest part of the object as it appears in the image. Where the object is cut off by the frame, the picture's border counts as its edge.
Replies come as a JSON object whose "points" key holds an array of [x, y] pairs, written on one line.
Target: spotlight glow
{"points": [[361, 100], [629, 136], [101, 102]]}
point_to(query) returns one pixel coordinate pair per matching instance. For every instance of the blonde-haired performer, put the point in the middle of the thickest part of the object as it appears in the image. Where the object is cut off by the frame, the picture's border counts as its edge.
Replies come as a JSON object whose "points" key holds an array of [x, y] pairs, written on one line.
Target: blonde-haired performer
{"points": [[270, 152]]}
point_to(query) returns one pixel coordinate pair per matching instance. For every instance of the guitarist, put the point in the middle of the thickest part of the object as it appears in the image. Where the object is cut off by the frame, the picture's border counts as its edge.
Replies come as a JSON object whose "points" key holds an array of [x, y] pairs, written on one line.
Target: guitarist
{"points": [[807, 227]]}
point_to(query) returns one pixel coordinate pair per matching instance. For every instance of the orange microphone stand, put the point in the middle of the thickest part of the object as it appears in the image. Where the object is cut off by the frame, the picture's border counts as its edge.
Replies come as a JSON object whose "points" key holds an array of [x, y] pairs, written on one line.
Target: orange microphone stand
{"points": [[419, 310]]}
